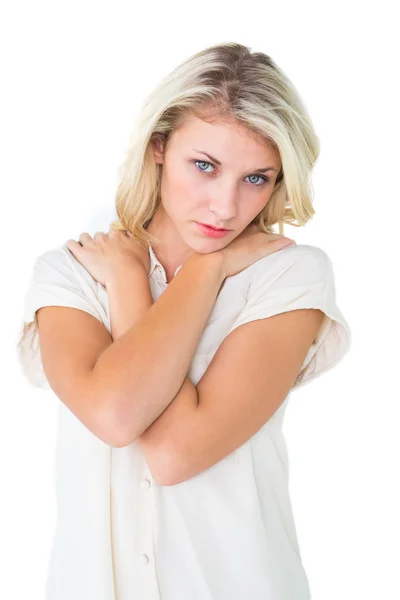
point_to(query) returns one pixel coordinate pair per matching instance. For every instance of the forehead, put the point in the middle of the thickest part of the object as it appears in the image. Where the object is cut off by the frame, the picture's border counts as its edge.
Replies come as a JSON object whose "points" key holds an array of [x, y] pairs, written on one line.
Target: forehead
{"points": [[220, 135]]}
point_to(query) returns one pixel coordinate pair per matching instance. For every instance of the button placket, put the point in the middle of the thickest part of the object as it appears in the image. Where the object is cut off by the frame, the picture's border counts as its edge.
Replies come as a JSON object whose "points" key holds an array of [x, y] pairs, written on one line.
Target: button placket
{"points": [[157, 270], [146, 558], [160, 275]]}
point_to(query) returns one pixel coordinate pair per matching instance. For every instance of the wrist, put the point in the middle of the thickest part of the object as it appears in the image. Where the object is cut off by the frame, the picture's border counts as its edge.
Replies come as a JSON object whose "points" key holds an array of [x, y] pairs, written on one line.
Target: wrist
{"points": [[125, 272], [213, 260], [129, 298]]}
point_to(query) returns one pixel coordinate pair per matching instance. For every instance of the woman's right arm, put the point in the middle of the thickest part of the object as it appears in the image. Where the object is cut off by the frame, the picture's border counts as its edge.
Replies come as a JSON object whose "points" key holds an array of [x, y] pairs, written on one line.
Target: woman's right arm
{"points": [[144, 369]]}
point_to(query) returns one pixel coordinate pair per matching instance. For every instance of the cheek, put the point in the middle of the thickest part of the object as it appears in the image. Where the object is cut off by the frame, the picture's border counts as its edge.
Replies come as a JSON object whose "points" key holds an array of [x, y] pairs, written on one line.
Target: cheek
{"points": [[249, 210], [178, 183], [179, 194], [262, 203]]}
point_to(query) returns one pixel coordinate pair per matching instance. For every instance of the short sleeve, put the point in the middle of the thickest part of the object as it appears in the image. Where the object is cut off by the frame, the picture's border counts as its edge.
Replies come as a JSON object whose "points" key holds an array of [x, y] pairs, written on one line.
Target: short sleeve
{"points": [[299, 277], [53, 282]]}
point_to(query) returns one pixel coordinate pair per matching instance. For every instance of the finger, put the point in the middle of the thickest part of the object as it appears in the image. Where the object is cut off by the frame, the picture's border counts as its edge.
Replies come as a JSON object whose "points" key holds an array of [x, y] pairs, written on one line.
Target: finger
{"points": [[99, 234], [73, 246], [85, 237], [118, 231]]}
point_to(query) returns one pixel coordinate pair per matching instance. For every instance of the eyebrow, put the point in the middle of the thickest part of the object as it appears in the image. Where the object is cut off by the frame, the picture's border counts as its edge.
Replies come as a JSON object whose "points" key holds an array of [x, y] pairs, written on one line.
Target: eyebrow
{"points": [[262, 170]]}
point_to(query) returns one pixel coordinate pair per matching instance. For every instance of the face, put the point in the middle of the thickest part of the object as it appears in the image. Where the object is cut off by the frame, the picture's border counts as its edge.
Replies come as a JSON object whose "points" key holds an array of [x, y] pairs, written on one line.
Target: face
{"points": [[196, 189]]}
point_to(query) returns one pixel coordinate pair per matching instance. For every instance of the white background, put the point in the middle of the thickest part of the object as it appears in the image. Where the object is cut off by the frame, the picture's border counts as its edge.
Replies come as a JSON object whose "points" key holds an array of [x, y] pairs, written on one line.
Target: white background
{"points": [[74, 75]]}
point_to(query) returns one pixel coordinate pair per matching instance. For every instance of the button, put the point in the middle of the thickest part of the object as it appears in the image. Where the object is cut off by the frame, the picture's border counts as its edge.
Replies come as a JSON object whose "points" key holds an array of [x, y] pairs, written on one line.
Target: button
{"points": [[145, 483], [143, 558]]}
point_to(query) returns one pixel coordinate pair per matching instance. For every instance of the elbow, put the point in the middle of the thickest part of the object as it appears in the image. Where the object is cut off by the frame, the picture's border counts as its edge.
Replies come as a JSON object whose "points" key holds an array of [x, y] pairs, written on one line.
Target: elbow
{"points": [[111, 428], [165, 468], [123, 426], [109, 434], [168, 478], [161, 459], [99, 409], [116, 433]]}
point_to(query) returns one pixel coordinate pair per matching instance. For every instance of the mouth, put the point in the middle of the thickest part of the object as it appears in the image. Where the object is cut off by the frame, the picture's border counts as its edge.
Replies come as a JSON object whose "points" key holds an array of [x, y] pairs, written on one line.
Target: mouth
{"points": [[212, 231], [214, 228]]}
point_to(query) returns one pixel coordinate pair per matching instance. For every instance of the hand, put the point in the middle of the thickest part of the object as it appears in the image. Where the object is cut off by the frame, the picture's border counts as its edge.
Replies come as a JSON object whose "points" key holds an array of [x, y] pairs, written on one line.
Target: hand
{"points": [[248, 247], [106, 253]]}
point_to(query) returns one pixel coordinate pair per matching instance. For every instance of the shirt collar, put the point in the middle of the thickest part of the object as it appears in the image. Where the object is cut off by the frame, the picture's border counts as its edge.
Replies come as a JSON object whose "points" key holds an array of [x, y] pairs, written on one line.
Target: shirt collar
{"points": [[156, 266]]}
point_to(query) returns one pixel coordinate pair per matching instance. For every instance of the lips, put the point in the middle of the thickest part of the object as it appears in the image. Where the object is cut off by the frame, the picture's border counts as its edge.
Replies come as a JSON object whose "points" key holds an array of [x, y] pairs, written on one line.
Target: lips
{"points": [[215, 228], [210, 232]]}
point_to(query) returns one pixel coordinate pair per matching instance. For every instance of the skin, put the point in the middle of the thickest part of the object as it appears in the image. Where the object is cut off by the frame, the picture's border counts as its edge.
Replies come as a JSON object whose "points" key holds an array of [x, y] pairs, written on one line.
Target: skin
{"points": [[229, 195], [193, 188]]}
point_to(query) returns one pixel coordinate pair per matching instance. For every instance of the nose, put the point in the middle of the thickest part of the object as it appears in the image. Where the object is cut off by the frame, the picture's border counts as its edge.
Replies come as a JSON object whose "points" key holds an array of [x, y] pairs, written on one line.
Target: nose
{"points": [[224, 205]]}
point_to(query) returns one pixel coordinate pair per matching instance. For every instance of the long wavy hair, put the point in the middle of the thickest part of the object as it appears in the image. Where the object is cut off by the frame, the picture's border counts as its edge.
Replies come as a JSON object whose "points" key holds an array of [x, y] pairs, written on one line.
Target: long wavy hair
{"points": [[224, 81]]}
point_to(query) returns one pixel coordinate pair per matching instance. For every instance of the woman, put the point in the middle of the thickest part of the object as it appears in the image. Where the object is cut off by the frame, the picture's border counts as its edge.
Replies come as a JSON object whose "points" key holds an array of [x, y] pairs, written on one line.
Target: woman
{"points": [[172, 347]]}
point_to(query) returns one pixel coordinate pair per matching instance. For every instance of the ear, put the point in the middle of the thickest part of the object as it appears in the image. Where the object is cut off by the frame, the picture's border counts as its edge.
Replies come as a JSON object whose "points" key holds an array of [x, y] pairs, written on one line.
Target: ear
{"points": [[158, 150]]}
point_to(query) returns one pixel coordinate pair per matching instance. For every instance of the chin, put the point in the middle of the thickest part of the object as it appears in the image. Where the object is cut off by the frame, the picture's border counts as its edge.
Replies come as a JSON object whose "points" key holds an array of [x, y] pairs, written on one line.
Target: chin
{"points": [[210, 245]]}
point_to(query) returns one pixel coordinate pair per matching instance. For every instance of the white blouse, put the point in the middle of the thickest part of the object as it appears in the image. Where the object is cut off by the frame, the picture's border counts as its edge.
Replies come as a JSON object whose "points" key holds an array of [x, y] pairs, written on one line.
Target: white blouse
{"points": [[225, 534]]}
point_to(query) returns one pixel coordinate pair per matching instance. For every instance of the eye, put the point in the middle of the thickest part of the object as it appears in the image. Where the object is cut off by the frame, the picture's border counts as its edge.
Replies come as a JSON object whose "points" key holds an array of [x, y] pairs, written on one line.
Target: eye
{"points": [[203, 162], [263, 179]]}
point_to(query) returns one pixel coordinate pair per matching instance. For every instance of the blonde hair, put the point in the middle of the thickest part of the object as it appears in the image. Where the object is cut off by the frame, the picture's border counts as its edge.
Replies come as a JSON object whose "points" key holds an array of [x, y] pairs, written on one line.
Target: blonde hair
{"points": [[223, 82]]}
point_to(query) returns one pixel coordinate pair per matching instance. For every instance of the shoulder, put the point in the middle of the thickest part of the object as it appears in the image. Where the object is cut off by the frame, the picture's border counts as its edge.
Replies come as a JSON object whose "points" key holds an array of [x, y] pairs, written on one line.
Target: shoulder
{"points": [[58, 256], [59, 265], [297, 266], [59, 279], [51, 265], [298, 253], [302, 259]]}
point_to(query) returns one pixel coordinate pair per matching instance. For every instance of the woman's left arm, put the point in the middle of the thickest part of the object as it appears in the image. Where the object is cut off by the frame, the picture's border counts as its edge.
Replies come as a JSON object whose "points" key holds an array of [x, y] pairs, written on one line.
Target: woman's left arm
{"points": [[246, 382]]}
